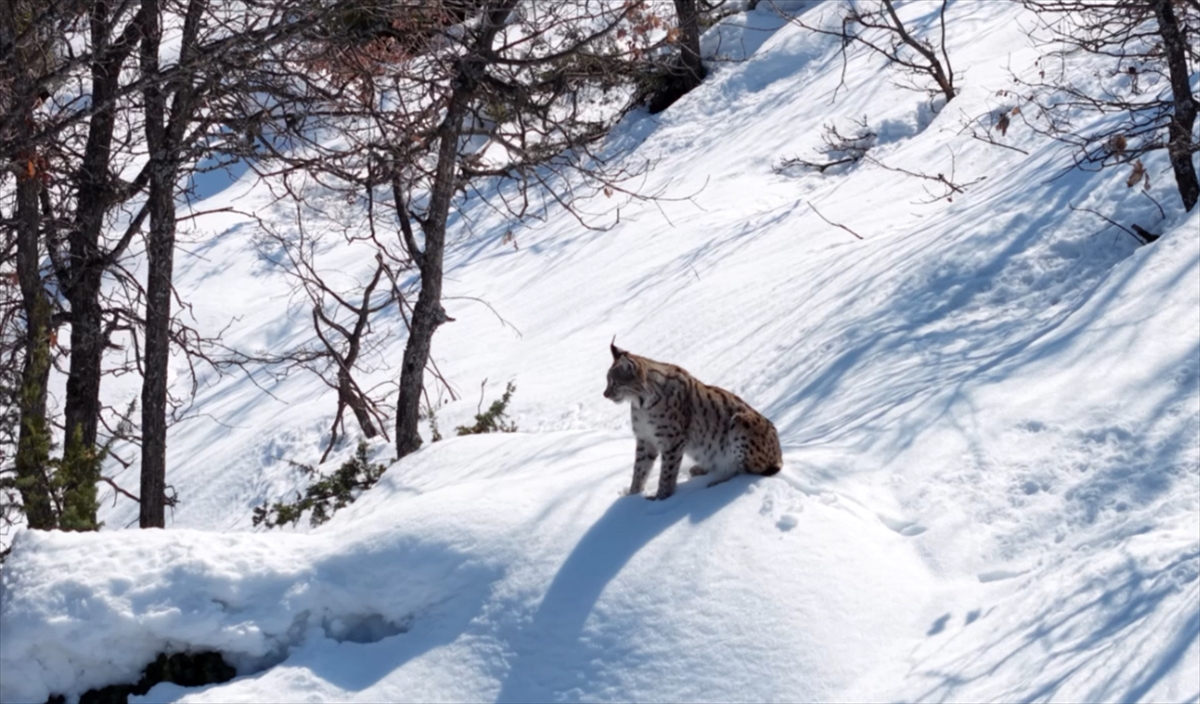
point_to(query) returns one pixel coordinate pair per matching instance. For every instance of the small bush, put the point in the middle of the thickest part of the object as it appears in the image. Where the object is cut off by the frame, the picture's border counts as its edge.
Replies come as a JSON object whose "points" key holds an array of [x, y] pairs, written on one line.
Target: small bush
{"points": [[493, 420], [430, 414], [329, 493], [326, 495], [840, 148]]}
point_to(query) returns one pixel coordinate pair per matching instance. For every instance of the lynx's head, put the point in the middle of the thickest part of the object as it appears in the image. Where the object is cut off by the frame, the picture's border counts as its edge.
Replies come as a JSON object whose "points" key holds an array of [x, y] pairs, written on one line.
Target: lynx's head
{"points": [[626, 377]]}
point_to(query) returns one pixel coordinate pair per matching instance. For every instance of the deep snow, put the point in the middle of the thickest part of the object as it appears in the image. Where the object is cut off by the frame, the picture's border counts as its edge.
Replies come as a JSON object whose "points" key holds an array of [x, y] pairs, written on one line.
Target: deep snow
{"points": [[990, 411]]}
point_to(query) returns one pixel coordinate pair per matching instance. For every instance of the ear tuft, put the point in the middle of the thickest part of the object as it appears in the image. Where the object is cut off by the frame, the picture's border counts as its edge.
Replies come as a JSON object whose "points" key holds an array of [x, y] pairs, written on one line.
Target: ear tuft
{"points": [[617, 352]]}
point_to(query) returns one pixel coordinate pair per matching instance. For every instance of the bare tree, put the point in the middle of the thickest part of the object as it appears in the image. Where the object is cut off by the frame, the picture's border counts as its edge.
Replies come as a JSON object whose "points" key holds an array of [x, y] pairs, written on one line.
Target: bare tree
{"points": [[26, 47], [342, 327], [1146, 95], [96, 136], [878, 27], [345, 355], [69, 139]]}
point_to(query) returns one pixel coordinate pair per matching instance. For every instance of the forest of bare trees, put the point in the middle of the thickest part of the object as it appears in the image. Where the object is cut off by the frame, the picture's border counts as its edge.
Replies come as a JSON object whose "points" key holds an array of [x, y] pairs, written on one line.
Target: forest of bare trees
{"points": [[108, 106]]}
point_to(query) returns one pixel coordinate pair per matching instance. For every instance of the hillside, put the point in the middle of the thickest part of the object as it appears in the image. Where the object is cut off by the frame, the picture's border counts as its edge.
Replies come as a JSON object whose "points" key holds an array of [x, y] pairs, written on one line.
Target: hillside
{"points": [[989, 406]]}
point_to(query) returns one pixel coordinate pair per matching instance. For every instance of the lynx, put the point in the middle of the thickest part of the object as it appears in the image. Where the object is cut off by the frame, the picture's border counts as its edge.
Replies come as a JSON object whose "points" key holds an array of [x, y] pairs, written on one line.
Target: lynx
{"points": [[676, 414]]}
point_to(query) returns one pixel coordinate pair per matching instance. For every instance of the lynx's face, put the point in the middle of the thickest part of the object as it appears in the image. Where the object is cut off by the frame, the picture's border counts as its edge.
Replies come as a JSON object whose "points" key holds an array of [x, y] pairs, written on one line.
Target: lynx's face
{"points": [[624, 377]]}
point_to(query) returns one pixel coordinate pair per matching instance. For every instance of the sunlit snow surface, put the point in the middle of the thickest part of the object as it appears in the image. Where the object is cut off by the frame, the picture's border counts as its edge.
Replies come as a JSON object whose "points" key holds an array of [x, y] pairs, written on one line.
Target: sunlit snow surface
{"points": [[990, 411]]}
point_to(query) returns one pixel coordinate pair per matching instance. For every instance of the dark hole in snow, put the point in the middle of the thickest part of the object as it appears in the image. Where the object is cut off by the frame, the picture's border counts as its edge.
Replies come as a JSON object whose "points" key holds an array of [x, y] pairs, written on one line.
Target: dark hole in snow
{"points": [[183, 669], [365, 628]]}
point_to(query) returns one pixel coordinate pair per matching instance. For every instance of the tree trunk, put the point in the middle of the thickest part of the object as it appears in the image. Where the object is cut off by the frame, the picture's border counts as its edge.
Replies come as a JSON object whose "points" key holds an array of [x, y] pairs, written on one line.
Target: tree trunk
{"points": [[82, 408], [83, 275], [689, 42], [160, 250], [33, 436], [163, 139], [687, 70], [350, 397], [160, 246], [428, 313], [1183, 118], [80, 469], [33, 441]]}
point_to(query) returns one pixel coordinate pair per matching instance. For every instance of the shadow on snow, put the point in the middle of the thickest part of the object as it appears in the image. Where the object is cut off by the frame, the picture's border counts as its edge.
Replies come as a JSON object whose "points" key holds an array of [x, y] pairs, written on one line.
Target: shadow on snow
{"points": [[1067, 638], [557, 627]]}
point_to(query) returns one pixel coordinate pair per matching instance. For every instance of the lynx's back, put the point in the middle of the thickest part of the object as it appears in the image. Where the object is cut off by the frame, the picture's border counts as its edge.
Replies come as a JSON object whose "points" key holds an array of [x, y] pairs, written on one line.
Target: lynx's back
{"points": [[673, 414]]}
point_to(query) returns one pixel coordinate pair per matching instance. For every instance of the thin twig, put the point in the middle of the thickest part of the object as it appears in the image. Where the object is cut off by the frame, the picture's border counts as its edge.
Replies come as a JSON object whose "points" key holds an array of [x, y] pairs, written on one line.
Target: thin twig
{"points": [[1162, 213], [1108, 220], [835, 224], [482, 386], [992, 141], [949, 183], [489, 307]]}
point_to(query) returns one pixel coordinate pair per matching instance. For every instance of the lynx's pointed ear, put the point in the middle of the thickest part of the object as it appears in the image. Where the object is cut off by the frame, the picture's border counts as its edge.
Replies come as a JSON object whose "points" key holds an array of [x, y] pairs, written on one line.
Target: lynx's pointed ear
{"points": [[616, 351]]}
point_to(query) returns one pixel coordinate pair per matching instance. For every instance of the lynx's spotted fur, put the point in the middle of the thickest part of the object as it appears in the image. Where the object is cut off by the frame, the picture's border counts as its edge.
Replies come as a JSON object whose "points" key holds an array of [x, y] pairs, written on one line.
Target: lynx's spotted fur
{"points": [[675, 414]]}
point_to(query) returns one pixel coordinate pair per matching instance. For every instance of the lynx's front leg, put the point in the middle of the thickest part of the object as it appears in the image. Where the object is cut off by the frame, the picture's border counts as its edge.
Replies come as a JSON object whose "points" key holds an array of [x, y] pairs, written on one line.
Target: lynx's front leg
{"points": [[646, 454], [668, 473]]}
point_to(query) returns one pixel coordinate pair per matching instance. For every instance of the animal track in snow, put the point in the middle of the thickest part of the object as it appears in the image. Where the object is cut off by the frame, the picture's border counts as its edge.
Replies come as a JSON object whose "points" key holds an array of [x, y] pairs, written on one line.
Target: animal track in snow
{"points": [[901, 526], [939, 625], [791, 505], [998, 575]]}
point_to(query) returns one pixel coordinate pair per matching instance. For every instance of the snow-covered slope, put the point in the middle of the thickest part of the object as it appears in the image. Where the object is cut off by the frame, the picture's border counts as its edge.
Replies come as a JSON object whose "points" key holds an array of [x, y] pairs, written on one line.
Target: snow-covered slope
{"points": [[990, 410]]}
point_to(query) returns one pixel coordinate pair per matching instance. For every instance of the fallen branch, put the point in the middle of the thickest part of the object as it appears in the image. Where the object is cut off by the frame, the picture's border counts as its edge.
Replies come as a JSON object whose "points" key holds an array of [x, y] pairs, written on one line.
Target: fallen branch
{"points": [[950, 185], [1138, 233]]}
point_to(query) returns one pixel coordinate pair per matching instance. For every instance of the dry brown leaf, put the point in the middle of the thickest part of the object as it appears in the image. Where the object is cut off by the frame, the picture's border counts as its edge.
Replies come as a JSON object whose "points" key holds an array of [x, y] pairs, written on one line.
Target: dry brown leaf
{"points": [[1139, 170]]}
